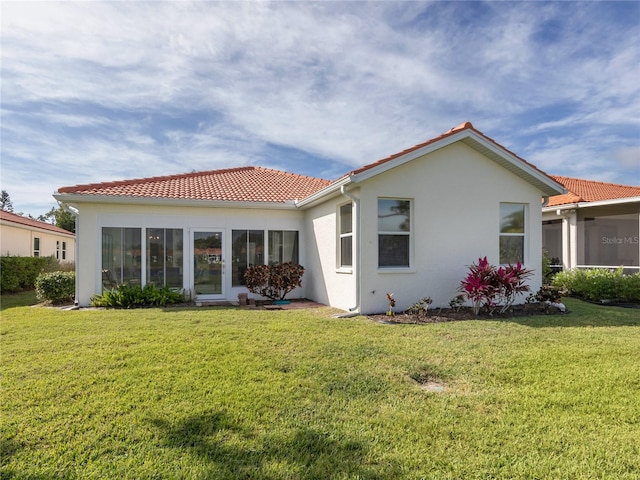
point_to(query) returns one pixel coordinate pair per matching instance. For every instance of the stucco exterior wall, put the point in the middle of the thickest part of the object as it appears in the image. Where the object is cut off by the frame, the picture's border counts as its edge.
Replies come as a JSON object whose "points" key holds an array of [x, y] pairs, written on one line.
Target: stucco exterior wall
{"points": [[327, 283], [456, 194], [17, 240], [94, 216]]}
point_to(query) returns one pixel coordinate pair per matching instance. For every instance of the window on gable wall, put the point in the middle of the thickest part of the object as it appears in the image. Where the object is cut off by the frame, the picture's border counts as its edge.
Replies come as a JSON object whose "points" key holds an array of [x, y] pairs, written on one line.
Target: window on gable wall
{"points": [[512, 233], [394, 233], [345, 243]]}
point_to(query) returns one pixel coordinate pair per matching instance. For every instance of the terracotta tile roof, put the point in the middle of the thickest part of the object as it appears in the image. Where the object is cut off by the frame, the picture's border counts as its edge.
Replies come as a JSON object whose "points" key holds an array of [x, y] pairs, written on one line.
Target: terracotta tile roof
{"points": [[580, 190], [244, 184], [13, 218]]}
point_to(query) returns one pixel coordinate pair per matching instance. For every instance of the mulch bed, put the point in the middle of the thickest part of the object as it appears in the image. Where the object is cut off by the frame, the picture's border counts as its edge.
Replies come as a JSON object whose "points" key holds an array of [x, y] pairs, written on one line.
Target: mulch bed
{"points": [[438, 315]]}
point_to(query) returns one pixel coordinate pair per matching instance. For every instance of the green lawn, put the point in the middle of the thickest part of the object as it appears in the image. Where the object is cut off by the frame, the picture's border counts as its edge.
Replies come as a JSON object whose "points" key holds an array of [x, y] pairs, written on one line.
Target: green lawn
{"points": [[227, 394]]}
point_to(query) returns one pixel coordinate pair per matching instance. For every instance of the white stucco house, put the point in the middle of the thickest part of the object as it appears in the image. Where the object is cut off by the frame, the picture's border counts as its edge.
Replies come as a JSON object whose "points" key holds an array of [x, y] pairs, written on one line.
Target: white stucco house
{"points": [[24, 237], [409, 224], [593, 225]]}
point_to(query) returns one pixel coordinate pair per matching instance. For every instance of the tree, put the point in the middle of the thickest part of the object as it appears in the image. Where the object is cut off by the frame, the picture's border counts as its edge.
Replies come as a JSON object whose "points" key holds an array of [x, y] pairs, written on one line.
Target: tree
{"points": [[60, 218], [5, 200]]}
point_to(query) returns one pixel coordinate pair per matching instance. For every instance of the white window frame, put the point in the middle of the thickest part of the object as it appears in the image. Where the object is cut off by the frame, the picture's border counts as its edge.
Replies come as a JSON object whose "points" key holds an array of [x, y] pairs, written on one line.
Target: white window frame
{"points": [[36, 251], [409, 233], [342, 235], [522, 235]]}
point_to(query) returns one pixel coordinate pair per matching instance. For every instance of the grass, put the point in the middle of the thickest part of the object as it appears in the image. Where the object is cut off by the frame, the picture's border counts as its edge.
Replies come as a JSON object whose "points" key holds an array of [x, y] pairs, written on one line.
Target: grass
{"points": [[21, 299], [227, 393]]}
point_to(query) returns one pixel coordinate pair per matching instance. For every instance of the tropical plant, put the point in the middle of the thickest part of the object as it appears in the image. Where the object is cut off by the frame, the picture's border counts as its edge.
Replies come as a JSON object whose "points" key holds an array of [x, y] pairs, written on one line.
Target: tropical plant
{"points": [[488, 286], [135, 296], [421, 307], [392, 303], [274, 281]]}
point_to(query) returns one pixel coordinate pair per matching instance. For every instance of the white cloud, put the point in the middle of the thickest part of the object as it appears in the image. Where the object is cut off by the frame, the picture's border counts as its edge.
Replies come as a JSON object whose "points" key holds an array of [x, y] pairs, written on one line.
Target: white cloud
{"points": [[100, 89]]}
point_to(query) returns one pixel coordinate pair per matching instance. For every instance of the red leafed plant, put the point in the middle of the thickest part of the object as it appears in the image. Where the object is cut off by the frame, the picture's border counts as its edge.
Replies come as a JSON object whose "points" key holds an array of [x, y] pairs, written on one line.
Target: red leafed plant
{"points": [[488, 286], [274, 281]]}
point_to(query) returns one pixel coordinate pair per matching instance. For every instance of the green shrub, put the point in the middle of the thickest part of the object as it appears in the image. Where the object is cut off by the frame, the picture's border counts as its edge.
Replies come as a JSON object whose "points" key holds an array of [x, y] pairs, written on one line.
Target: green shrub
{"points": [[135, 296], [18, 274], [599, 284], [56, 287]]}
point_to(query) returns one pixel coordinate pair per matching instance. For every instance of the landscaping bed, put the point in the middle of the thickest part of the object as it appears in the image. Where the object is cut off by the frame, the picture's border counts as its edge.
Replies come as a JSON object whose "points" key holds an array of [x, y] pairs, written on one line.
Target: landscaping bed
{"points": [[438, 315]]}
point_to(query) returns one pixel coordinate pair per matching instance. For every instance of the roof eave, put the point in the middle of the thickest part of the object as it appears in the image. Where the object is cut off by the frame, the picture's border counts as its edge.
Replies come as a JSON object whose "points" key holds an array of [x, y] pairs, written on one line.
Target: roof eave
{"points": [[325, 193], [599, 203], [76, 199]]}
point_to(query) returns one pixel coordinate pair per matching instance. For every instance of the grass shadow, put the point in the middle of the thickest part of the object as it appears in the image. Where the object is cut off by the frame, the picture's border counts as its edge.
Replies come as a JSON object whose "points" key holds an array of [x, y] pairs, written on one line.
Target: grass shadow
{"points": [[230, 451]]}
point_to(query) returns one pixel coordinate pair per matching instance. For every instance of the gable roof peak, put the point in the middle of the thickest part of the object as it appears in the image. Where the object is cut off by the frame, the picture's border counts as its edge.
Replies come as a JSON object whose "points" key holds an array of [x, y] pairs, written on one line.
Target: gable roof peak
{"points": [[462, 126]]}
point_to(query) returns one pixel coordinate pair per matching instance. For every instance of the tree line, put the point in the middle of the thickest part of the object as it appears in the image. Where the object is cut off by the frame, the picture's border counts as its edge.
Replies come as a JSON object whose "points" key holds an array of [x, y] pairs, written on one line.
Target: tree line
{"points": [[59, 217]]}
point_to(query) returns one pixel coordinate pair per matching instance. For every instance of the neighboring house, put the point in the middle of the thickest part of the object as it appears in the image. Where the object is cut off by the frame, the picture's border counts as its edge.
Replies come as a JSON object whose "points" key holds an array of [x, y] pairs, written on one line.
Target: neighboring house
{"points": [[595, 224], [409, 224], [24, 237]]}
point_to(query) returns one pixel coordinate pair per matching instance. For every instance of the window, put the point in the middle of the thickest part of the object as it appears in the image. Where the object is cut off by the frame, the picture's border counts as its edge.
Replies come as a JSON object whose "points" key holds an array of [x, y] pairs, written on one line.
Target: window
{"points": [[57, 249], [248, 250], [36, 246], [394, 232], [121, 256], [64, 250], [512, 233], [283, 246], [346, 236], [164, 257]]}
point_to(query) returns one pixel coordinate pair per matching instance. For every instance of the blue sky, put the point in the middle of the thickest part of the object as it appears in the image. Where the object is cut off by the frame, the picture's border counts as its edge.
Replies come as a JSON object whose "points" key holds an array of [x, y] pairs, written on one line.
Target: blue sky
{"points": [[100, 91]]}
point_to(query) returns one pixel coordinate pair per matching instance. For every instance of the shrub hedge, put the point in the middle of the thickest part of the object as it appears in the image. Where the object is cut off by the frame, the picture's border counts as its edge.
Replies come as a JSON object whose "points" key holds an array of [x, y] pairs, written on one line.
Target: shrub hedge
{"points": [[600, 284], [56, 287], [20, 273]]}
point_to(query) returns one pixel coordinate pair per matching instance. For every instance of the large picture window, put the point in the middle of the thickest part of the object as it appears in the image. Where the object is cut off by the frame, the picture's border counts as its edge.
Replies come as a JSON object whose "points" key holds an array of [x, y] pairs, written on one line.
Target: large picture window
{"points": [[121, 256], [283, 246], [394, 232], [164, 257], [248, 250], [346, 236], [512, 233]]}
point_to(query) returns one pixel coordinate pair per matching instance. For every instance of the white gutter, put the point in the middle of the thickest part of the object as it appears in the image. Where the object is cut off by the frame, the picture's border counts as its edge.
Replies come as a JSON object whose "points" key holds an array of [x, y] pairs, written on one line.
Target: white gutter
{"points": [[178, 202], [356, 240]]}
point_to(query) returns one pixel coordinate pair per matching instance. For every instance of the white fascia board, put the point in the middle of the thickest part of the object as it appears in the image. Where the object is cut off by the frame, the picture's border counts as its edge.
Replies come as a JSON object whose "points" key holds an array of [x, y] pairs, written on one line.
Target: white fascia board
{"points": [[78, 199], [473, 140], [401, 160]]}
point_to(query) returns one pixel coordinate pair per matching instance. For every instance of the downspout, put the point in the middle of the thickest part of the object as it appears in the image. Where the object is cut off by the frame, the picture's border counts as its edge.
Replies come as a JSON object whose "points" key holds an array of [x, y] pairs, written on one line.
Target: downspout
{"points": [[356, 241], [76, 248]]}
